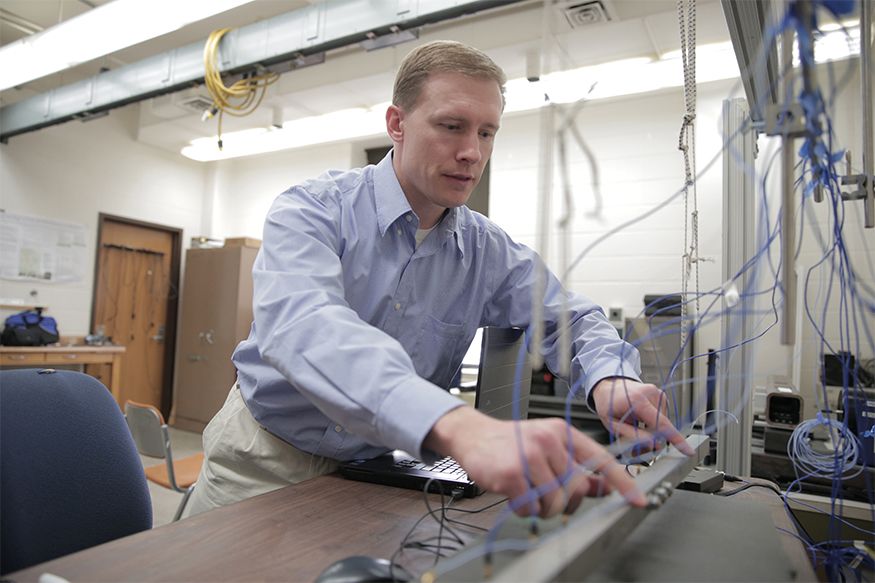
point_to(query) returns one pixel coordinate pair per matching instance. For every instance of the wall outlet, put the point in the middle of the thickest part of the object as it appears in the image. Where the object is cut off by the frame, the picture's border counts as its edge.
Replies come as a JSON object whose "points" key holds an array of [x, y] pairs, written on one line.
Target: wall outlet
{"points": [[615, 314]]}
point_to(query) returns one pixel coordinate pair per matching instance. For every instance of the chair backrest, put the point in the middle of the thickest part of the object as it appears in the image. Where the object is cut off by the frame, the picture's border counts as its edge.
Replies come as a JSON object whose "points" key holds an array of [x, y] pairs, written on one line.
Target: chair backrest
{"points": [[70, 476], [151, 436], [148, 429]]}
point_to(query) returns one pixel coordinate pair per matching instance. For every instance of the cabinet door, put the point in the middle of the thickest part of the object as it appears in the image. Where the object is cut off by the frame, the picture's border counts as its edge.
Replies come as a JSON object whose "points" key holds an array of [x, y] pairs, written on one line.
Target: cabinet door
{"points": [[209, 334]]}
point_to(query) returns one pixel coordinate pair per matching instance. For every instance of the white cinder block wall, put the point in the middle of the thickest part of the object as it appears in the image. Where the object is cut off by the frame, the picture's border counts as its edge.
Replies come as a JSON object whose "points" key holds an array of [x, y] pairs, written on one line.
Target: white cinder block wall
{"points": [[74, 171], [251, 184]]}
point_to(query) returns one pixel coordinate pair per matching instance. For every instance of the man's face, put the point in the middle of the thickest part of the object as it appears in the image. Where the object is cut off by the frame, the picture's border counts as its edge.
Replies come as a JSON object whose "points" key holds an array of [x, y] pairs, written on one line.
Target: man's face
{"points": [[443, 143]]}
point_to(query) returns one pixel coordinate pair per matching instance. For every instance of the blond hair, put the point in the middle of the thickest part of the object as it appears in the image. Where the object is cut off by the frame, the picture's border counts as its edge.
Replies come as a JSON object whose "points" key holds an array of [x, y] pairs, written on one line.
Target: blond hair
{"points": [[441, 56]]}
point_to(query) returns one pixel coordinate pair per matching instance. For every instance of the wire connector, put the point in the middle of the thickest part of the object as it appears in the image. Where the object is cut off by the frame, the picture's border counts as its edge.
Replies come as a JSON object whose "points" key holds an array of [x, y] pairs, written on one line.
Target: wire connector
{"points": [[209, 113]]}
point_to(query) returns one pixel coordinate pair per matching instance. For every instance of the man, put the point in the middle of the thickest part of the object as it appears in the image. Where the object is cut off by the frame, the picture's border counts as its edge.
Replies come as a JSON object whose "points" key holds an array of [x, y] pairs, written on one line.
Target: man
{"points": [[368, 289]]}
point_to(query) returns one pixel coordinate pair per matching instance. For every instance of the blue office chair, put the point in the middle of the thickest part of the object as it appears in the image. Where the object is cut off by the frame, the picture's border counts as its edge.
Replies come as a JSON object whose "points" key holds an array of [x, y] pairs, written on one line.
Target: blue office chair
{"points": [[70, 476]]}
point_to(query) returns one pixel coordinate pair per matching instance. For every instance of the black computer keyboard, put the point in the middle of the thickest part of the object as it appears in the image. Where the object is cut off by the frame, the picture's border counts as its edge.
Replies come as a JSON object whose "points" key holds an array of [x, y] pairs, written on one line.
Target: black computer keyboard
{"points": [[445, 465]]}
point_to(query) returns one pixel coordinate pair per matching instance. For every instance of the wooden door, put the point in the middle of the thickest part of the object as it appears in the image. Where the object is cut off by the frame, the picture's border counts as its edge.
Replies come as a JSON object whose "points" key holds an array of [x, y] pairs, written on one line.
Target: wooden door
{"points": [[135, 303]]}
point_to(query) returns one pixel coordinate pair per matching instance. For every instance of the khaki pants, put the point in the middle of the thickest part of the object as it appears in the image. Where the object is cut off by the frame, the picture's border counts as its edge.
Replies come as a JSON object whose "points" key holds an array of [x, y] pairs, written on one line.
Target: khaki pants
{"points": [[242, 460]]}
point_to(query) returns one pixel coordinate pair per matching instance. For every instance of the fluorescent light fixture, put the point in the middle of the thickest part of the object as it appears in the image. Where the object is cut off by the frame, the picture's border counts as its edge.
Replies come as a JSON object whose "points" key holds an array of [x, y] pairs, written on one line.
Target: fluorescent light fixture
{"points": [[98, 32], [337, 126], [714, 62]]}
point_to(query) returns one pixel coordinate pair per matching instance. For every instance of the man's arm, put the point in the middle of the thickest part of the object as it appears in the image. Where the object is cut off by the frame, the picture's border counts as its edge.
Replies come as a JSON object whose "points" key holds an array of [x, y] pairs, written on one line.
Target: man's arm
{"points": [[599, 354], [512, 458]]}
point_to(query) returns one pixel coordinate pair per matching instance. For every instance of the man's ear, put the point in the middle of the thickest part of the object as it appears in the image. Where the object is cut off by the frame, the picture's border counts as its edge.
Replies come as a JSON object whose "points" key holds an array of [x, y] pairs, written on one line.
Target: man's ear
{"points": [[394, 119]]}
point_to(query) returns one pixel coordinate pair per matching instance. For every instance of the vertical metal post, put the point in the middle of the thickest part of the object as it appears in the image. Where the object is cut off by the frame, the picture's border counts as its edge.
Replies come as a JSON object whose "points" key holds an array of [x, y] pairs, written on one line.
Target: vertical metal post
{"points": [[733, 392], [805, 13], [788, 203], [545, 218], [868, 127], [545, 192]]}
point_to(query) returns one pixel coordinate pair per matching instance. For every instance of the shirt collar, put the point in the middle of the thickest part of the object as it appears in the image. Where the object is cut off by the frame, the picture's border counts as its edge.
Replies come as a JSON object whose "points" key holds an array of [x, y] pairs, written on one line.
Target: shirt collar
{"points": [[388, 196], [391, 204]]}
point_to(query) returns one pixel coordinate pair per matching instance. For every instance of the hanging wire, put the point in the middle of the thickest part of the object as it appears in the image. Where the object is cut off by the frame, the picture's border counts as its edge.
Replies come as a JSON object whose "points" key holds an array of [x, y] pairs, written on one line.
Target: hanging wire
{"points": [[240, 98]]}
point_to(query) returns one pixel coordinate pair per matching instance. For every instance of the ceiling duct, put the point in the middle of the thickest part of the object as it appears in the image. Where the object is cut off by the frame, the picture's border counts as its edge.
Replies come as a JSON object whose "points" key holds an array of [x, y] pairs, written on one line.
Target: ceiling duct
{"points": [[278, 44]]}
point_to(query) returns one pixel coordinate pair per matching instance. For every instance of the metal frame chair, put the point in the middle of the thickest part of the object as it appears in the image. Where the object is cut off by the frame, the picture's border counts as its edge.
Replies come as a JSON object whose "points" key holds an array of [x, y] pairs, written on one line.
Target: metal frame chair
{"points": [[152, 438]]}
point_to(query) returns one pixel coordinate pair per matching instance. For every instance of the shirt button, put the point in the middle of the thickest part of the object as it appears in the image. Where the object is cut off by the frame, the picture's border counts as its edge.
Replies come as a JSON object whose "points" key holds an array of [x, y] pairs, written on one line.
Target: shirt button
{"points": [[408, 218], [398, 230], [338, 428], [397, 307]]}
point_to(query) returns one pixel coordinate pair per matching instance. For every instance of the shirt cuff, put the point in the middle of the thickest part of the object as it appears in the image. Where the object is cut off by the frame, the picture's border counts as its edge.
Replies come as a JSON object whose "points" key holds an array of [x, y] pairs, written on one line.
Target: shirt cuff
{"points": [[602, 372], [408, 413]]}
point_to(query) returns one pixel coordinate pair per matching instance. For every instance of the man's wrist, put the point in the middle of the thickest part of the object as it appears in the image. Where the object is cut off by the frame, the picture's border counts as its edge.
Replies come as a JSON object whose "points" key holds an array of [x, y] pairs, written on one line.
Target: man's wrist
{"points": [[606, 381], [444, 434]]}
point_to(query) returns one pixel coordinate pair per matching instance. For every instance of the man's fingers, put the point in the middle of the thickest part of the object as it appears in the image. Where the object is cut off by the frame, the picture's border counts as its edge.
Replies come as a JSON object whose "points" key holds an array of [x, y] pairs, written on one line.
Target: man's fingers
{"points": [[557, 485], [546, 479], [642, 439], [596, 458], [585, 484], [651, 408], [658, 422]]}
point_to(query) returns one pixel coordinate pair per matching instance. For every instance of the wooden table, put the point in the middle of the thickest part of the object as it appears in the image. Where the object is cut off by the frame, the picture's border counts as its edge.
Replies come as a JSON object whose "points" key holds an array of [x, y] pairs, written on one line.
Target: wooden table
{"points": [[291, 534], [33, 356]]}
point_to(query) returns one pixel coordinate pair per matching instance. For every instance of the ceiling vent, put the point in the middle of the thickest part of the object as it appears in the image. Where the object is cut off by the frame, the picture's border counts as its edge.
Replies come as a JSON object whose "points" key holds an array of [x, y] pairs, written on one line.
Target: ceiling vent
{"points": [[585, 13], [197, 104], [181, 104]]}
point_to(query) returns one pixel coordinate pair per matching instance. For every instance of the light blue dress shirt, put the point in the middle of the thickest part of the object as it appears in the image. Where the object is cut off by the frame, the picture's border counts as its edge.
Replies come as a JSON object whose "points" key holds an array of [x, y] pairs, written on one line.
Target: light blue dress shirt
{"points": [[357, 332]]}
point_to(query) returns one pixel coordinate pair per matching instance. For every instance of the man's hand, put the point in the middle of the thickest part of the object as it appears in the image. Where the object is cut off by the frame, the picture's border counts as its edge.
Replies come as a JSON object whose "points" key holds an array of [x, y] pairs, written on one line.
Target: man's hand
{"points": [[512, 458], [621, 403]]}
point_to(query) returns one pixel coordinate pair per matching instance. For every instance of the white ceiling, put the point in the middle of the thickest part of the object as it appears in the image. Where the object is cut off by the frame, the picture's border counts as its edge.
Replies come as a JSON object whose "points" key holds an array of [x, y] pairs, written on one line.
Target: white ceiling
{"points": [[39, 15], [351, 77]]}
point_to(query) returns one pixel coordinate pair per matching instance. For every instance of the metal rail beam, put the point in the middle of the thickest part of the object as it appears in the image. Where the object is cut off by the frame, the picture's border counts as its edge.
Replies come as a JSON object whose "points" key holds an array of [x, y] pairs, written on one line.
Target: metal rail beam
{"points": [[580, 547]]}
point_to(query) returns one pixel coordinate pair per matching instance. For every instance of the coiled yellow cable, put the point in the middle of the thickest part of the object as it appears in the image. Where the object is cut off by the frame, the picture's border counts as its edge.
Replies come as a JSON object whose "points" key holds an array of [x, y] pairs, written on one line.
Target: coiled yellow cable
{"points": [[241, 98]]}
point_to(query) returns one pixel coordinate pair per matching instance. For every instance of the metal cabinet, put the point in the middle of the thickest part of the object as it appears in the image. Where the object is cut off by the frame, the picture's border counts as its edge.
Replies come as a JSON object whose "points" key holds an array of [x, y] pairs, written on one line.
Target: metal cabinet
{"points": [[216, 316]]}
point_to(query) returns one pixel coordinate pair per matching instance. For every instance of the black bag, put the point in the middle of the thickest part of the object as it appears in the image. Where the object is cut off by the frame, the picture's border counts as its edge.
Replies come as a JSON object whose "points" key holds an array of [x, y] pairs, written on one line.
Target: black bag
{"points": [[29, 328]]}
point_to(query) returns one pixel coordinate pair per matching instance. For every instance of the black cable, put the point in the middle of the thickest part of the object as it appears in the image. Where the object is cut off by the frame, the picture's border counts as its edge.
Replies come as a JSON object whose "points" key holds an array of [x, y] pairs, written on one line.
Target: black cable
{"points": [[441, 522], [479, 510], [476, 511], [769, 486], [774, 488], [424, 544]]}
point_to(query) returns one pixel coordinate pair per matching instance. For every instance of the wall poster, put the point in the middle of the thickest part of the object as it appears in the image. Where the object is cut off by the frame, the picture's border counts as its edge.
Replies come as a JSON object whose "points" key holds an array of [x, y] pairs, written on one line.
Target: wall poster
{"points": [[37, 249]]}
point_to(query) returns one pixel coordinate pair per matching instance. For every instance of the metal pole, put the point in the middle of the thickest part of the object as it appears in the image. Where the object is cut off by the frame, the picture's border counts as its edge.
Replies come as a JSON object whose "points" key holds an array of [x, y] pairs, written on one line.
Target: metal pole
{"points": [[733, 389], [805, 12], [868, 128], [788, 203]]}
